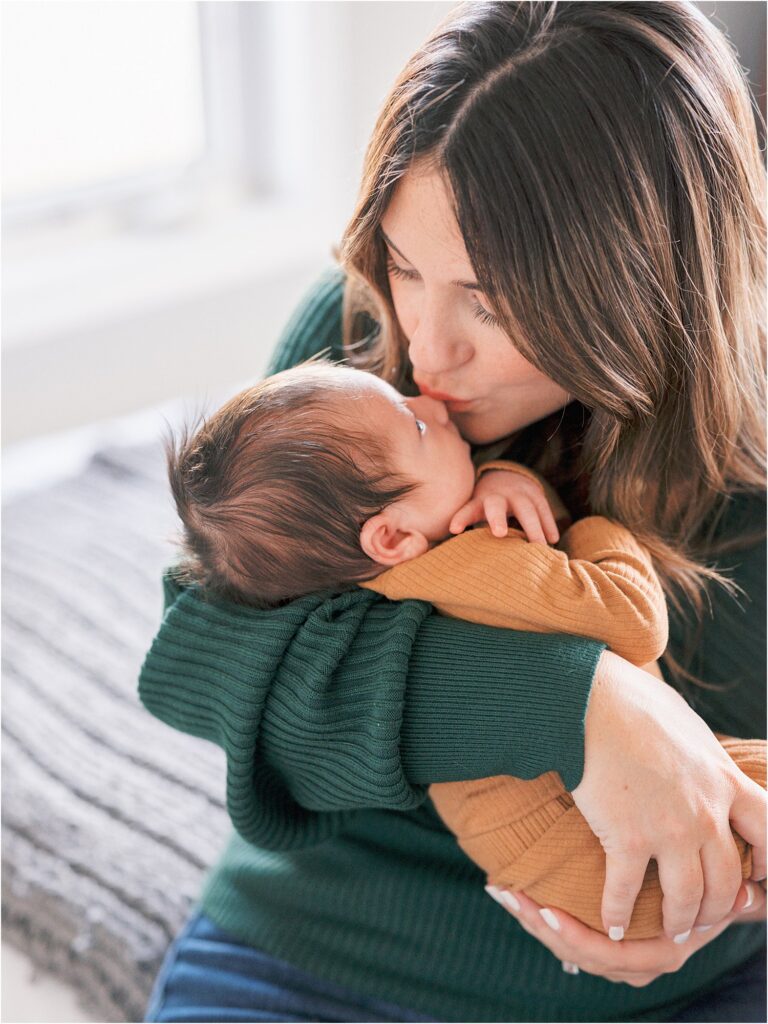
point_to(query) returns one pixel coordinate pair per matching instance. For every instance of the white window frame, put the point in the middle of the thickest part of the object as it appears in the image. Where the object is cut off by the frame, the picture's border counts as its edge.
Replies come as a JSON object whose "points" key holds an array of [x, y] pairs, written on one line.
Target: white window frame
{"points": [[230, 102]]}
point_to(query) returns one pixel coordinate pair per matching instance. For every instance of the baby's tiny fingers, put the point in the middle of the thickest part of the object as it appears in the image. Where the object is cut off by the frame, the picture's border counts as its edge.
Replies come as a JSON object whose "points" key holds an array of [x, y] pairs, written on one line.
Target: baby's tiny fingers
{"points": [[528, 516], [495, 509], [548, 520], [465, 516]]}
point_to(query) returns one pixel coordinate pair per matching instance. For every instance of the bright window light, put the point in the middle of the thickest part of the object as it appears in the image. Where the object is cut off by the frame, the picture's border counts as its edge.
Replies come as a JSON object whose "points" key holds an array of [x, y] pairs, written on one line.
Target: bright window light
{"points": [[95, 92]]}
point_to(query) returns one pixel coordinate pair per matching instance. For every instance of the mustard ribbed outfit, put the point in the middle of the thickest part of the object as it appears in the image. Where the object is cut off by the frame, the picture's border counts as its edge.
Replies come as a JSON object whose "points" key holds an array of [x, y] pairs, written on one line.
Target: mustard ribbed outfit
{"points": [[598, 582]]}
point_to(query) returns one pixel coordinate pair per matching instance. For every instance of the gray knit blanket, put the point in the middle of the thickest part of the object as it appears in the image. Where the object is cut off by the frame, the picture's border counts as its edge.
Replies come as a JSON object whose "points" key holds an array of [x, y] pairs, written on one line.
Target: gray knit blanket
{"points": [[110, 818]]}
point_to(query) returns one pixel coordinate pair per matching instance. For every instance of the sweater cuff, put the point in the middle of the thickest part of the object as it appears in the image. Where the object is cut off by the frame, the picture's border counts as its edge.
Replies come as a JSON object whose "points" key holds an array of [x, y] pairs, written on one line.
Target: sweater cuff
{"points": [[483, 701], [509, 467]]}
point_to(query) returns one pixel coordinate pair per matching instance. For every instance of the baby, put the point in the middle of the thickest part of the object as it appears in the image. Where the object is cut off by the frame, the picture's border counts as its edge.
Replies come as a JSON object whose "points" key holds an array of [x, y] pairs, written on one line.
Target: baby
{"points": [[324, 477]]}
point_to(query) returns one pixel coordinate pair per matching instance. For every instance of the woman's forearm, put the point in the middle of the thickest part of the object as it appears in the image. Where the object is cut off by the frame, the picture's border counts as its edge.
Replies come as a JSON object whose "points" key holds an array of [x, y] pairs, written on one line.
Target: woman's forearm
{"points": [[481, 701]]}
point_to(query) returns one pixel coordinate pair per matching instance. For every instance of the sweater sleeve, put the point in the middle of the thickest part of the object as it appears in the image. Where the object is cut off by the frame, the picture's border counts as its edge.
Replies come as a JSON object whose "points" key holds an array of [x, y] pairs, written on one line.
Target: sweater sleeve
{"points": [[602, 584], [366, 701]]}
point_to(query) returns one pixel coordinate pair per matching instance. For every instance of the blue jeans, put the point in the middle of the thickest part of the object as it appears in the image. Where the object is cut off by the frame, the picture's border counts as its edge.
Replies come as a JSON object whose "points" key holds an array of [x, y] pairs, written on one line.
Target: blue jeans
{"points": [[209, 976]]}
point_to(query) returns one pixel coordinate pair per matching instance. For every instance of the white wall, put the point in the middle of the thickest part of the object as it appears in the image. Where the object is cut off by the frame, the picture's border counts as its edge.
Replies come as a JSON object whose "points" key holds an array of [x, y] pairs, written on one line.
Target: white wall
{"points": [[97, 325]]}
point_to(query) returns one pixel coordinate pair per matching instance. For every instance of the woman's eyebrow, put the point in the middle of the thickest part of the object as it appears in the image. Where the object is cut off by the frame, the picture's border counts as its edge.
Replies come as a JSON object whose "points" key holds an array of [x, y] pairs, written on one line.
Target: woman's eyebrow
{"points": [[471, 286], [392, 246]]}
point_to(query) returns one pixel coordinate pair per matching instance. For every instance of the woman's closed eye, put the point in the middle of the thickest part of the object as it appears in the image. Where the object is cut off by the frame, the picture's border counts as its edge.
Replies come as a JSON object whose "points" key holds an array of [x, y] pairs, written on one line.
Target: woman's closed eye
{"points": [[479, 312], [396, 271], [482, 314]]}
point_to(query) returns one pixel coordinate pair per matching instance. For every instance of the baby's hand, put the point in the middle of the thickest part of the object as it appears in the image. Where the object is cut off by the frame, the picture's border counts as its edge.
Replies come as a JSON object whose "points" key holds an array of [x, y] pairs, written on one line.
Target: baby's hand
{"points": [[502, 493]]}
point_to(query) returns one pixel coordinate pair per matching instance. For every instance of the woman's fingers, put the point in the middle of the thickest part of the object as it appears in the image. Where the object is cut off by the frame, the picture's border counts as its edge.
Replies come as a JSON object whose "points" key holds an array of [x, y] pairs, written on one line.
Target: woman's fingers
{"points": [[682, 882], [748, 817], [634, 962], [722, 870], [624, 874], [750, 903], [568, 939]]}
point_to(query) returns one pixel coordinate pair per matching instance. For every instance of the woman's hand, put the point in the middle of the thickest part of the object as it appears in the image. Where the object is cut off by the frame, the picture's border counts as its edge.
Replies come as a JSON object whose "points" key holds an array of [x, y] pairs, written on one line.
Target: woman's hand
{"points": [[636, 962], [657, 784]]}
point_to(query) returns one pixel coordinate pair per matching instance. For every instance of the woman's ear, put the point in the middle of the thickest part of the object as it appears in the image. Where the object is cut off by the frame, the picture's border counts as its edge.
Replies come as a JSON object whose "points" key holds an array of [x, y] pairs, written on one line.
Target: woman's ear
{"points": [[385, 543]]}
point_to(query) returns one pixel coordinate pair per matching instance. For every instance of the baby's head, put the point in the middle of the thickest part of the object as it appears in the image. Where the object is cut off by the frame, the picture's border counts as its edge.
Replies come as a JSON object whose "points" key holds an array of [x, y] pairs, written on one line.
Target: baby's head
{"points": [[319, 477]]}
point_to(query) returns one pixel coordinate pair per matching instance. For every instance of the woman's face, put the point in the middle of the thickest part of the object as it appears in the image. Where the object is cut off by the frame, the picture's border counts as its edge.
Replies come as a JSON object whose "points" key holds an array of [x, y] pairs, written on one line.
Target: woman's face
{"points": [[459, 353]]}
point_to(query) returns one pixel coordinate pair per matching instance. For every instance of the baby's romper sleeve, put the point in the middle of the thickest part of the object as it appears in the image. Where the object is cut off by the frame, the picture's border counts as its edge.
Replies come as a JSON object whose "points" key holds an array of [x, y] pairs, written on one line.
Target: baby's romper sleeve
{"points": [[529, 835]]}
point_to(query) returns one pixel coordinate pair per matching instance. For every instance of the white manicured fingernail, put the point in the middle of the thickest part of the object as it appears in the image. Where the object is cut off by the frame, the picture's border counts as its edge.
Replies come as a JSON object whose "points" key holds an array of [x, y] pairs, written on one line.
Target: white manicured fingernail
{"points": [[569, 967], [504, 899], [510, 901], [682, 937], [550, 918], [750, 897], [493, 892], [703, 927], [616, 932]]}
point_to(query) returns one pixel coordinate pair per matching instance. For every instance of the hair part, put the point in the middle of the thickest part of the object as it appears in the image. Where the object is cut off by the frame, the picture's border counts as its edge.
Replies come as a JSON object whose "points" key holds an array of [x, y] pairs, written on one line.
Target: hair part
{"points": [[617, 227], [273, 489]]}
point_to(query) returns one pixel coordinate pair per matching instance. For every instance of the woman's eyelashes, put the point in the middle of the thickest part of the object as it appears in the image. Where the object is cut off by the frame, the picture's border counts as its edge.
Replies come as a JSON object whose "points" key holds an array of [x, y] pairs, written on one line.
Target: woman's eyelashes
{"points": [[484, 316], [406, 275], [479, 312]]}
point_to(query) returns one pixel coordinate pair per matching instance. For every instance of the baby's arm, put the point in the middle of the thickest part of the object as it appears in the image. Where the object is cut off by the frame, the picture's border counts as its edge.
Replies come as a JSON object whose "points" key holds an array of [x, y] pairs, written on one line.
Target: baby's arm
{"points": [[508, 488], [601, 584]]}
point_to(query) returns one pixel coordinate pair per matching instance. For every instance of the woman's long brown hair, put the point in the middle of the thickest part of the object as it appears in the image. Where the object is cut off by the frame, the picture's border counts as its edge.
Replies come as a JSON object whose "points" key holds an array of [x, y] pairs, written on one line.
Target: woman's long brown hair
{"points": [[609, 187]]}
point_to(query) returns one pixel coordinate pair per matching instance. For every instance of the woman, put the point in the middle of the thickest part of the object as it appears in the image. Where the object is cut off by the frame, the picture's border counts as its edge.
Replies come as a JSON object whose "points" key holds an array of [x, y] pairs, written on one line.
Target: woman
{"points": [[559, 233]]}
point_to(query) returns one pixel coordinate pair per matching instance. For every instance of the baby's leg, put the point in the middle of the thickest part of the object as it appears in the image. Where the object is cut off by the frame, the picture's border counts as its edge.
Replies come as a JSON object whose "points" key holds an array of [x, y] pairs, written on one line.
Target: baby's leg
{"points": [[530, 836]]}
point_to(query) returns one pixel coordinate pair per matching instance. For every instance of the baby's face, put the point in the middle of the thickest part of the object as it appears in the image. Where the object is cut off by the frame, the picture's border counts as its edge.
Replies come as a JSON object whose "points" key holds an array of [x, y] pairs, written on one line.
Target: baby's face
{"points": [[425, 446]]}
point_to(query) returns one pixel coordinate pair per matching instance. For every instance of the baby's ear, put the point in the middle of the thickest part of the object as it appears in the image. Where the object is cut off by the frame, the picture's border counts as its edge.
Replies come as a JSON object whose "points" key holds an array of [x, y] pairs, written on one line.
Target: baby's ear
{"points": [[385, 543]]}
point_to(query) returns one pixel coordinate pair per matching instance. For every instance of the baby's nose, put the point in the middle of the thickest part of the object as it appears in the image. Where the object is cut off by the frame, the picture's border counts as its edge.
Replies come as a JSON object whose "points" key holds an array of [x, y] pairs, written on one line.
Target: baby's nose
{"points": [[437, 410]]}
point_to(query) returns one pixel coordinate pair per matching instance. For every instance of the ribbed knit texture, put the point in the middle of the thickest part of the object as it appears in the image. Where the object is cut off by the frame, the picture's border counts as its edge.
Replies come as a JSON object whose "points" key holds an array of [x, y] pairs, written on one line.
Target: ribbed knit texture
{"points": [[598, 581], [337, 740]]}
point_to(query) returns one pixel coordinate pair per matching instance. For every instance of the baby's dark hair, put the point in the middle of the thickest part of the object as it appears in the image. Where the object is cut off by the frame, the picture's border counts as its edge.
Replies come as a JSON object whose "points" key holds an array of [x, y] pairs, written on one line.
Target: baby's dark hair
{"points": [[275, 486]]}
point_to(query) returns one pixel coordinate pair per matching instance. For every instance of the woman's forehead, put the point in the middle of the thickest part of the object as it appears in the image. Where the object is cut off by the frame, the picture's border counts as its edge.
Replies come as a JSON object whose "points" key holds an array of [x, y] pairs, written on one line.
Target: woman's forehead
{"points": [[420, 217]]}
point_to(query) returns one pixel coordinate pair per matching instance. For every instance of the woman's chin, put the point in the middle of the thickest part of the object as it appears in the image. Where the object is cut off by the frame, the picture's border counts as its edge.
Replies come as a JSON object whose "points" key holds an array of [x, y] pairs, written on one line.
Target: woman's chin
{"points": [[480, 431], [480, 428]]}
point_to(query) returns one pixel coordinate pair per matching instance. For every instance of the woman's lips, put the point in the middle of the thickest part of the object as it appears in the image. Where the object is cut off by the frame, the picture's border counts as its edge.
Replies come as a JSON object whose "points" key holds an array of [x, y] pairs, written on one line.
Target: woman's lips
{"points": [[454, 404]]}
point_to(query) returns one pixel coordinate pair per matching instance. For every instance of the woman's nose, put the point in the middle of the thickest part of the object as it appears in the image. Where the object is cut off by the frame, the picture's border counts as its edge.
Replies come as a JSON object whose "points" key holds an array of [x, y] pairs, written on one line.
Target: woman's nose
{"points": [[434, 348]]}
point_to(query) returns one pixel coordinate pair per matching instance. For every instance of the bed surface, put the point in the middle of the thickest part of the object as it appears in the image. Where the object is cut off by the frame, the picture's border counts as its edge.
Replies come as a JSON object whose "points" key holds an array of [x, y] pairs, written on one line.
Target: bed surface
{"points": [[110, 818]]}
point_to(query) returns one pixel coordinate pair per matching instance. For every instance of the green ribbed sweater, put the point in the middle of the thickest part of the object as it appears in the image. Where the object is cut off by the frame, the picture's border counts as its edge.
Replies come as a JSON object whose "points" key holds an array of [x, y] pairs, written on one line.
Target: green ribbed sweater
{"points": [[335, 713]]}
